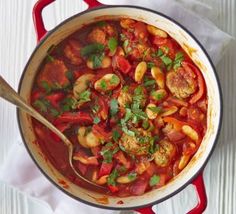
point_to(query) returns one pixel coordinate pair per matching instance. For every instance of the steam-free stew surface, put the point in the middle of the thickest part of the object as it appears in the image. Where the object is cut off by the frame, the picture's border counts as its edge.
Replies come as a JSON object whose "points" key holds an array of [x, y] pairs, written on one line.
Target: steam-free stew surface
{"points": [[129, 98]]}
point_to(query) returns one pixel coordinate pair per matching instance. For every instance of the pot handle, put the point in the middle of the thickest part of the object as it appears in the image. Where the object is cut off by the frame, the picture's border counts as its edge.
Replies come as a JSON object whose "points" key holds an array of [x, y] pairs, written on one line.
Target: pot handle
{"points": [[198, 183], [37, 15], [37, 18]]}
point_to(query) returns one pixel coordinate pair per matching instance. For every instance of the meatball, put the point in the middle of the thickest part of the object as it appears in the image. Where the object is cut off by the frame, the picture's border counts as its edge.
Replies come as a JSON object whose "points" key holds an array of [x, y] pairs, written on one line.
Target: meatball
{"points": [[133, 145], [54, 74], [72, 52], [102, 34], [165, 153], [181, 83]]}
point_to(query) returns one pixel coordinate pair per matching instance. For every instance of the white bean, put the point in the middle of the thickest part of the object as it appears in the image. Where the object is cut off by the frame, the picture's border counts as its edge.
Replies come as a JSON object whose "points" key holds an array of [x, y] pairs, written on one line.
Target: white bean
{"points": [[156, 31], [190, 132], [140, 71]]}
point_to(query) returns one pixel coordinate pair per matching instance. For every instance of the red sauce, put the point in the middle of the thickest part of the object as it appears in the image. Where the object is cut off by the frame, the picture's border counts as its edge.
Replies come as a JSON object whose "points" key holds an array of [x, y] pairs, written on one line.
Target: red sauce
{"points": [[130, 100]]}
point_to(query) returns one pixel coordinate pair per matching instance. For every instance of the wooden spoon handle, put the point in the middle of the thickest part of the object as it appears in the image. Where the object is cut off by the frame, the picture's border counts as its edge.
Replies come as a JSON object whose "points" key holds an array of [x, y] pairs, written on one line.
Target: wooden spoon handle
{"points": [[9, 94]]}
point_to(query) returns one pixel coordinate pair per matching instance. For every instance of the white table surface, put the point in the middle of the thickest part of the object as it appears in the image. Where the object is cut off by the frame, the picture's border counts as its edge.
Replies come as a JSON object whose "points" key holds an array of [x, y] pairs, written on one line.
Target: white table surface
{"points": [[17, 41]]}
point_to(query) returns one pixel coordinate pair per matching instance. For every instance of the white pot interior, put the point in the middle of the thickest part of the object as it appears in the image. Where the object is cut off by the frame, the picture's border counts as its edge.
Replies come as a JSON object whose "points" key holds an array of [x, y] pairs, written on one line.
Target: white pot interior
{"points": [[189, 45]]}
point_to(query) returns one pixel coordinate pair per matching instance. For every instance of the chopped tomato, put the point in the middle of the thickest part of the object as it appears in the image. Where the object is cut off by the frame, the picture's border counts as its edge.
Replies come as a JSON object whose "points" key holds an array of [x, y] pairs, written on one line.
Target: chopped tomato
{"points": [[105, 169], [55, 98], [120, 157], [140, 31], [113, 189], [201, 85], [123, 64], [35, 95], [100, 131], [74, 117]]}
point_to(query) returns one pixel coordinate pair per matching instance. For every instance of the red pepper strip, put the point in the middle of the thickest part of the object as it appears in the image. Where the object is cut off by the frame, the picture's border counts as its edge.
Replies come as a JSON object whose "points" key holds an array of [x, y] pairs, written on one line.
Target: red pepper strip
{"points": [[177, 102], [103, 110], [74, 117], [176, 123], [55, 98], [62, 127], [113, 189], [100, 132], [123, 64], [105, 169], [201, 84]]}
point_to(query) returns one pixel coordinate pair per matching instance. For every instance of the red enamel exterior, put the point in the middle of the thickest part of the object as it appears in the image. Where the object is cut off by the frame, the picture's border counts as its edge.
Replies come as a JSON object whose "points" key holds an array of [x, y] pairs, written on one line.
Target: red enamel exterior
{"points": [[41, 32]]}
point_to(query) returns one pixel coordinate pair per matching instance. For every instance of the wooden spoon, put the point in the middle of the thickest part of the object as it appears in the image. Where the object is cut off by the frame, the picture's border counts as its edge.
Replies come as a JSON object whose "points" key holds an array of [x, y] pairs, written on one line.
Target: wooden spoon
{"points": [[9, 94]]}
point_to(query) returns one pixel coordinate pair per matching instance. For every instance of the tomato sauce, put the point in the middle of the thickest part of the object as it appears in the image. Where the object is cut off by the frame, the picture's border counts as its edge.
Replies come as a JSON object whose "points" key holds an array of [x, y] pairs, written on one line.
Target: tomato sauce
{"points": [[130, 100]]}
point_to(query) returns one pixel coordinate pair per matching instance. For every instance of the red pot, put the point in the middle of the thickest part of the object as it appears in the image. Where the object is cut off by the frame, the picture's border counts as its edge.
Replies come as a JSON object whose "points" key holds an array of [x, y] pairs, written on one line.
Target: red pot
{"points": [[192, 174]]}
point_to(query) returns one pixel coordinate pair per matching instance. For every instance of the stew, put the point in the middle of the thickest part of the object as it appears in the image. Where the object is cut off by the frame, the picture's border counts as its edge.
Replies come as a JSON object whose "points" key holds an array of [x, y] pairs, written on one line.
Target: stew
{"points": [[129, 98]]}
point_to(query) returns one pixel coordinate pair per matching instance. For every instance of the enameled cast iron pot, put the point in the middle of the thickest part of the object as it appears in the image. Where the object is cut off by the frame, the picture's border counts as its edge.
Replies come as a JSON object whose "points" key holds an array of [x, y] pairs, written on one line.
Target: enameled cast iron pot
{"points": [[192, 173]]}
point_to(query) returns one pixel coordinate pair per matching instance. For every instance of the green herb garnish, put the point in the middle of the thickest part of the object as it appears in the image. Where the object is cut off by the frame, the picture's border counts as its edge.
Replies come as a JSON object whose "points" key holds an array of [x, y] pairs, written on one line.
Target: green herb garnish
{"points": [[112, 44], [103, 84], [115, 135], [150, 64], [132, 176], [70, 75], [154, 180], [96, 60], [114, 79], [84, 97], [94, 48], [111, 180], [46, 86], [101, 24], [114, 107], [179, 57], [96, 120], [155, 109]]}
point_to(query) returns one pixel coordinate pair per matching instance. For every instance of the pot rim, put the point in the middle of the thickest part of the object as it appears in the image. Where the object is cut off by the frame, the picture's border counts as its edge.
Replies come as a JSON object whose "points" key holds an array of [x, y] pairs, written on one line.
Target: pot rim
{"points": [[218, 128]]}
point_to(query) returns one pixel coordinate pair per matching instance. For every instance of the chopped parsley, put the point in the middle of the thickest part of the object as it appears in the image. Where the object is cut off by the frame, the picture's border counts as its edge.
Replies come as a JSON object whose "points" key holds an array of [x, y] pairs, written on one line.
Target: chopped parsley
{"points": [[115, 135], [49, 58], [113, 107], [94, 48], [84, 97], [149, 82], [154, 180], [145, 124], [150, 64], [153, 146], [167, 61], [179, 57], [101, 24], [112, 44], [103, 84], [111, 180], [157, 95], [69, 103], [96, 120], [132, 176], [42, 105], [70, 75], [155, 109], [46, 86], [114, 79], [96, 60]]}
